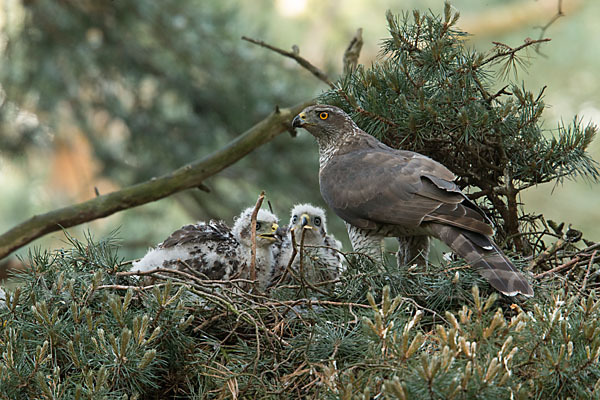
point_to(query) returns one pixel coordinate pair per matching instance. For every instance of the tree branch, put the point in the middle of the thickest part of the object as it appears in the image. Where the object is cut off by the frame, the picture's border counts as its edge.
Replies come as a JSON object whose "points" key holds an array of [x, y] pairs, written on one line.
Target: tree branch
{"points": [[296, 56], [186, 177], [543, 29], [352, 52], [510, 51]]}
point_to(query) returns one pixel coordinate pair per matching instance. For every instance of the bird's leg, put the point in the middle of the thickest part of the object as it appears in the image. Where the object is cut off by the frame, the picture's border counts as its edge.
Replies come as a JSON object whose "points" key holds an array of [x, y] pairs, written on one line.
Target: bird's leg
{"points": [[367, 242], [413, 250]]}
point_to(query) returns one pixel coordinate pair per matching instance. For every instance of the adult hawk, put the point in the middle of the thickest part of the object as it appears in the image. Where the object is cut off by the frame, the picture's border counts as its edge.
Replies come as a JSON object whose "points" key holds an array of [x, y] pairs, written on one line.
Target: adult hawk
{"points": [[380, 192], [213, 250], [321, 258]]}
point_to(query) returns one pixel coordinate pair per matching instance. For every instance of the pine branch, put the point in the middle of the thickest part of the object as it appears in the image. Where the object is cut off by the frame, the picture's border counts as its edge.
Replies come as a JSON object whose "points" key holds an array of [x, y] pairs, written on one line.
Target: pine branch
{"points": [[511, 52], [186, 177]]}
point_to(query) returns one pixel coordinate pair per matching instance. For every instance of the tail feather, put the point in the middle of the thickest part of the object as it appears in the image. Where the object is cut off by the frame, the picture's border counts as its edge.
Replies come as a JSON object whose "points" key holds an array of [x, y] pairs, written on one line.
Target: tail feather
{"points": [[487, 258]]}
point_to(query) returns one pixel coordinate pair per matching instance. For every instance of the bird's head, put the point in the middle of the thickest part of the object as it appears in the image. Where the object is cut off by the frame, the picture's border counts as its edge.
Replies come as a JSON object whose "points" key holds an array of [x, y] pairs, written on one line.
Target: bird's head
{"points": [[311, 220], [324, 122], [266, 227]]}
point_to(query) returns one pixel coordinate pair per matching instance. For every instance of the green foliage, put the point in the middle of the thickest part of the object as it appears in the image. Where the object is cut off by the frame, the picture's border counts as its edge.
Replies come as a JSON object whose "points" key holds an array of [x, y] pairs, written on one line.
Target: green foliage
{"points": [[65, 335], [77, 326], [431, 94]]}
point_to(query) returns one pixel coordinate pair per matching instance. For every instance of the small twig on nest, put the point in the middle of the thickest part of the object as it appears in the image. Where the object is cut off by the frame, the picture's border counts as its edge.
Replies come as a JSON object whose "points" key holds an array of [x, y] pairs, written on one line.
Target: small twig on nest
{"points": [[587, 272], [288, 268], [549, 252], [295, 56], [568, 264], [253, 234], [210, 321], [127, 287], [303, 280]]}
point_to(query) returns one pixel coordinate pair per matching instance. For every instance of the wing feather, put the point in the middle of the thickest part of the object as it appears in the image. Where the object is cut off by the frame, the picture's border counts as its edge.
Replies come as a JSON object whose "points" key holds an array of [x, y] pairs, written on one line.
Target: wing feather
{"points": [[395, 187]]}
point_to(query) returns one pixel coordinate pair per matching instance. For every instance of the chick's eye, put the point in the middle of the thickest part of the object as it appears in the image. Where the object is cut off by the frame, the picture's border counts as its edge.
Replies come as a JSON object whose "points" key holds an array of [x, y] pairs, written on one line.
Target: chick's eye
{"points": [[258, 225], [317, 221], [323, 115], [295, 219]]}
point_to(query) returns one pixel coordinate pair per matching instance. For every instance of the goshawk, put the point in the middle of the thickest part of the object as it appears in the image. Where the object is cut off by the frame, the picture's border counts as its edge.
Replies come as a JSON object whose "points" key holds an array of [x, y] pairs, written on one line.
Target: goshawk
{"points": [[381, 192]]}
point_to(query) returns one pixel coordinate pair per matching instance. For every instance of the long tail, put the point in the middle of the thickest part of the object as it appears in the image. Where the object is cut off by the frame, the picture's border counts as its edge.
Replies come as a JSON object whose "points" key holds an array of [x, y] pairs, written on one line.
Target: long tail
{"points": [[485, 256]]}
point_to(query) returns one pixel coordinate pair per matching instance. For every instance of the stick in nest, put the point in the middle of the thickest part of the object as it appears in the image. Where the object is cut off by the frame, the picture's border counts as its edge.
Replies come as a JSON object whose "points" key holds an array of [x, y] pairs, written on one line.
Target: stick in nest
{"points": [[259, 202]]}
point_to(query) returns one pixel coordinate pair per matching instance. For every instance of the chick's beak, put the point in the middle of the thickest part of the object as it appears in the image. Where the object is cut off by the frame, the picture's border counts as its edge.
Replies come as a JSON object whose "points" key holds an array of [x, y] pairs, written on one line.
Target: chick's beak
{"points": [[272, 235], [305, 221], [299, 120]]}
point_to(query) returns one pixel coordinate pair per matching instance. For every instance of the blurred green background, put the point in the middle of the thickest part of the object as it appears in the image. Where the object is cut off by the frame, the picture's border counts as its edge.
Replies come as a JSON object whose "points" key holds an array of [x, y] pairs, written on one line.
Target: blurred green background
{"points": [[103, 94]]}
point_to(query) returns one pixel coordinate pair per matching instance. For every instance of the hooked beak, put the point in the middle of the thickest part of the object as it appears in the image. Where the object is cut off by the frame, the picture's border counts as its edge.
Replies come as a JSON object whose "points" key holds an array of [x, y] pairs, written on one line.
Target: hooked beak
{"points": [[299, 120], [305, 221]]}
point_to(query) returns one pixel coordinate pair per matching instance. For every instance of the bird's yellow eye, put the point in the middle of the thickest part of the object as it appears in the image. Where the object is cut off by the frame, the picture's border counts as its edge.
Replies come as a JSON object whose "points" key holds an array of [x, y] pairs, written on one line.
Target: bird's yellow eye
{"points": [[323, 115]]}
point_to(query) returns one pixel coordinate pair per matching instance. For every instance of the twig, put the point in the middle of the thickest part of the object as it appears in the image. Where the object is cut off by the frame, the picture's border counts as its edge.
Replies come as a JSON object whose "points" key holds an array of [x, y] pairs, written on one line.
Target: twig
{"points": [[587, 272], [568, 264], [352, 53], [288, 268], [296, 302], [500, 93], [259, 202], [127, 287], [511, 51], [549, 252], [559, 13], [209, 321], [303, 279], [295, 56], [590, 248]]}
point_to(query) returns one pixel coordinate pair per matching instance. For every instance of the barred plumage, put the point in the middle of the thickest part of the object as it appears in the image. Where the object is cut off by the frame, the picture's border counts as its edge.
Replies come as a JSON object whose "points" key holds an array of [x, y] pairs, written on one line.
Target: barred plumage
{"points": [[382, 192]]}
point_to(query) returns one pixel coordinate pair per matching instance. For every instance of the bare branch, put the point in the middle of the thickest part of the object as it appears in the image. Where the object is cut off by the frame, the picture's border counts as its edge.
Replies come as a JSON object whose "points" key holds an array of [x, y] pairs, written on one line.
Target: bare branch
{"points": [[587, 272], [189, 176], [548, 253], [295, 56], [253, 235], [353, 52], [543, 29], [566, 265]]}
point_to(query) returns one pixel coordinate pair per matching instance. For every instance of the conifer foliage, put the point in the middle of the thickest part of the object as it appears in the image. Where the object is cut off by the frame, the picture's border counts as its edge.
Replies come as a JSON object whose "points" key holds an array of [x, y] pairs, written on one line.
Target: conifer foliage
{"points": [[79, 326]]}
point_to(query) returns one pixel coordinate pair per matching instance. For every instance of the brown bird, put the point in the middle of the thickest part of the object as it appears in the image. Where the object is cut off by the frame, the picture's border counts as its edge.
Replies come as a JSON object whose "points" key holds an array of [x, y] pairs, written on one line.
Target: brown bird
{"points": [[381, 192]]}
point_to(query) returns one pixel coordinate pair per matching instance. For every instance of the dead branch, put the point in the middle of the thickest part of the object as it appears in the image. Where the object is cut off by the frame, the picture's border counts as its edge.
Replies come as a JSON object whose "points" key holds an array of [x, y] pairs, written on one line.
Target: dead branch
{"points": [[548, 253], [295, 56], [352, 53], [189, 176], [543, 29], [566, 265]]}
